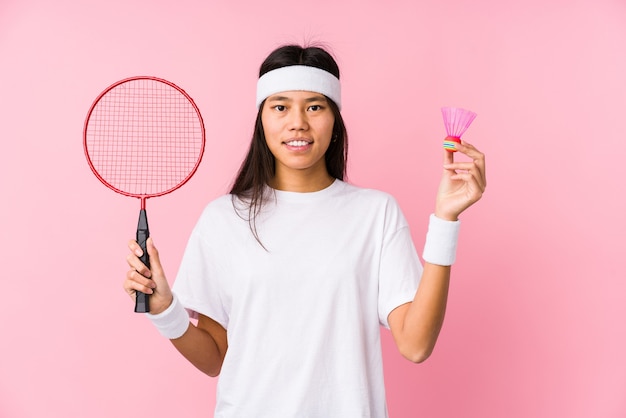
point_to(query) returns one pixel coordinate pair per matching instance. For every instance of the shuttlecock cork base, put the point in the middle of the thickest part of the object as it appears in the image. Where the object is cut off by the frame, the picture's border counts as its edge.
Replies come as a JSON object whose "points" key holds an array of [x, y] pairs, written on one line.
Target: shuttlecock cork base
{"points": [[456, 122], [449, 142]]}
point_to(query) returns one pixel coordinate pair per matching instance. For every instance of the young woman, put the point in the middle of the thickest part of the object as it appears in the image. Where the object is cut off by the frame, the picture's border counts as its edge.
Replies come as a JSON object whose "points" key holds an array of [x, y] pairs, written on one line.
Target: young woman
{"points": [[292, 273]]}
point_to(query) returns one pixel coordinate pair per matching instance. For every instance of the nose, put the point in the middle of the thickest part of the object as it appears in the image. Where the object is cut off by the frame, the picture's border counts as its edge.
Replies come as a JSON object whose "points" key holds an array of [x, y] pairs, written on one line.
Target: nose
{"points": [[298, 120]]}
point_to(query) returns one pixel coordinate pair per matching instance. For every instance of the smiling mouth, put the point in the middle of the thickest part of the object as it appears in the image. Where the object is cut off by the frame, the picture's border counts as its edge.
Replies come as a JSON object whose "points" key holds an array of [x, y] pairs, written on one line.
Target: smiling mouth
{"points": [[297, 143]]}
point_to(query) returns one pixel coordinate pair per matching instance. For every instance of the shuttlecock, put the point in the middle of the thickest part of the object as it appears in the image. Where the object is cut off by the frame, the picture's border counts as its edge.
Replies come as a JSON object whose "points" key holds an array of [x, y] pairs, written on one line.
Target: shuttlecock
{"points": [[456, 121]]}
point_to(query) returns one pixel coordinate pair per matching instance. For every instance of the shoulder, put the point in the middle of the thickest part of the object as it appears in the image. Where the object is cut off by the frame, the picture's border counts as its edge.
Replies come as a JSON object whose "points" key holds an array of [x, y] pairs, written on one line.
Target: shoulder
{"points": [[375, 204], [220, 211], [365, 194], [220, 205]]}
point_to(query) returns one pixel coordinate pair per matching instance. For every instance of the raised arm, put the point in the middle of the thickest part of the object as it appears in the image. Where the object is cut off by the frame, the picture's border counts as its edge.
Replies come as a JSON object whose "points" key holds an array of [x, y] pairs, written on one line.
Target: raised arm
{"points": [[203, 345], [416, 325]]}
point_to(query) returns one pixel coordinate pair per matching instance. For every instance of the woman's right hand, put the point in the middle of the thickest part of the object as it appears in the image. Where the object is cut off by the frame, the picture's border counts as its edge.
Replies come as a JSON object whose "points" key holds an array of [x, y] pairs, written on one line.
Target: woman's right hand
{"points": [[149, 281]]}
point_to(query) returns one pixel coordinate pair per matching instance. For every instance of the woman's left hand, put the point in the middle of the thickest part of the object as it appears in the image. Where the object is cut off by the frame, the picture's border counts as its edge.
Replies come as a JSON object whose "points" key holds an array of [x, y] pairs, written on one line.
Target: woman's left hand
{"points": [[462, 183]]}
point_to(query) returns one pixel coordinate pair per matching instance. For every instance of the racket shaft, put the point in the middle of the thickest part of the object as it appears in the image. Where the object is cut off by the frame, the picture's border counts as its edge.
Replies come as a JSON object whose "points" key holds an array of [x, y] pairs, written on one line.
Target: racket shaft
{"points": [[142, 304]]}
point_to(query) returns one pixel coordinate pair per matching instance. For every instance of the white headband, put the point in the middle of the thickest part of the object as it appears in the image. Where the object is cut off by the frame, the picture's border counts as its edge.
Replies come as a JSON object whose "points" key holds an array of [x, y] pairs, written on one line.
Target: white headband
{"points": [[298, 78]]}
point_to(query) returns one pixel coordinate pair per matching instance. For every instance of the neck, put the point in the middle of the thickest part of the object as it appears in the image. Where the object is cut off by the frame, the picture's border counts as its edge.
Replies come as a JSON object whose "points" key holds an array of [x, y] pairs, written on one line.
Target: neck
{"points": [[302, 181]]}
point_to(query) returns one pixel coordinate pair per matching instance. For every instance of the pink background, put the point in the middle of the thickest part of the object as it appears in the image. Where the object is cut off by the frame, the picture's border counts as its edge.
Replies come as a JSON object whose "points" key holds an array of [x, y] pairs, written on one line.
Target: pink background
{"points": [[536, 320]]}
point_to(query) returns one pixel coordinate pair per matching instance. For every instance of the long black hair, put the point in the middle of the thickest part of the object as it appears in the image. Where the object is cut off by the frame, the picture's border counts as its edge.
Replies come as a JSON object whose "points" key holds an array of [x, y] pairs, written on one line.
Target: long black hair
{"points": [[258, 168]]}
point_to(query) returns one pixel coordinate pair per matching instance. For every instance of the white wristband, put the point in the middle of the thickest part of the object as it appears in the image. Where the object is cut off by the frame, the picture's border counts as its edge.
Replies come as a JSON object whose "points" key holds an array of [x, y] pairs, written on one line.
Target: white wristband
{"points": [[173, 322], [441, 240]]}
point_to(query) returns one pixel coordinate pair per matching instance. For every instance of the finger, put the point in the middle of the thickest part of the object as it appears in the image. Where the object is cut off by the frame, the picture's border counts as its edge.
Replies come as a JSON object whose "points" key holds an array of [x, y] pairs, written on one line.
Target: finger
{"points": [[471, 151], [158, 273], [470, 167], [467, 147], [155, 261], [461, 165], [136, 264], [448, 157], [135, 248], [128, 286], [136, 282], [477, 157], [473, 189], [136, 277]]}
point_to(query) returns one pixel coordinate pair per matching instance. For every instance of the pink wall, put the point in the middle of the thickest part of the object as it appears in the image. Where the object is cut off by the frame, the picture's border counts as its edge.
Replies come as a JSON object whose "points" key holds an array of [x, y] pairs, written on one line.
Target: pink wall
{"points": [[535, 326]]}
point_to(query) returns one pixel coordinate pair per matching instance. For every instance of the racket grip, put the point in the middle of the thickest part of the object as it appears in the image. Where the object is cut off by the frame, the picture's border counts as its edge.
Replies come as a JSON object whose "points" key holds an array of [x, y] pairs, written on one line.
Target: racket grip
{"points": [[142, 304]]}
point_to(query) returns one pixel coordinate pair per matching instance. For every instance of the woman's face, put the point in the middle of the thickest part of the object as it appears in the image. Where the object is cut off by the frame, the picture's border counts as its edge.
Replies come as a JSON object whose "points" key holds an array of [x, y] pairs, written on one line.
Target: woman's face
{"points": [[298, 127]]}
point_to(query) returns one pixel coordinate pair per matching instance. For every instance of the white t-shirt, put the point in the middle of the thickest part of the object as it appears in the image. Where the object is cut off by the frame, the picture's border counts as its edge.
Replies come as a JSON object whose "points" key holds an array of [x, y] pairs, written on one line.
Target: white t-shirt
{"points": [[303, 315]]}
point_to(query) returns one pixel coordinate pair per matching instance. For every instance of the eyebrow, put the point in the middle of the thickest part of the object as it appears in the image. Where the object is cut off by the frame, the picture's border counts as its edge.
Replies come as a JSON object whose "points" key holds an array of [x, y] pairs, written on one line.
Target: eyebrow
{"points": [[318, 98]]}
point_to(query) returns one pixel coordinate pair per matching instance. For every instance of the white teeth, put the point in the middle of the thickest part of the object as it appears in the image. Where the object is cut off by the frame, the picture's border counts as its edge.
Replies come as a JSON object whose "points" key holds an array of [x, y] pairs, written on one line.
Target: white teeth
{"points": [[297, 143]]}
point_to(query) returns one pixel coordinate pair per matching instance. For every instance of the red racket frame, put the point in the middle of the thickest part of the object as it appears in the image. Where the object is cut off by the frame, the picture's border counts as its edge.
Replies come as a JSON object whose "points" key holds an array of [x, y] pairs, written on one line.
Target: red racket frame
{"points": [[143, 197]]}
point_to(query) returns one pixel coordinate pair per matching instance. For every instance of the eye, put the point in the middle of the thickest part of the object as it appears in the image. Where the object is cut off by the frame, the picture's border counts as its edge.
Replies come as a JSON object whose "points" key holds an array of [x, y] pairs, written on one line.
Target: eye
{"points": [[280, 108], [315, 108]]}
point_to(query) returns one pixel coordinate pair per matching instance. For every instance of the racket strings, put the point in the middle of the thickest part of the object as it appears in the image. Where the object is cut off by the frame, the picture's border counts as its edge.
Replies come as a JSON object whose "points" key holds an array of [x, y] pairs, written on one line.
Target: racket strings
{"points": [[144, 137]]}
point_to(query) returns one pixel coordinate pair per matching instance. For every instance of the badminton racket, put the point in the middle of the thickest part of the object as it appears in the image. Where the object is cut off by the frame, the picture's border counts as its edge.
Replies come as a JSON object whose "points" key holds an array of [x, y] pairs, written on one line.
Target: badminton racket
{"points": [[143, 137]]}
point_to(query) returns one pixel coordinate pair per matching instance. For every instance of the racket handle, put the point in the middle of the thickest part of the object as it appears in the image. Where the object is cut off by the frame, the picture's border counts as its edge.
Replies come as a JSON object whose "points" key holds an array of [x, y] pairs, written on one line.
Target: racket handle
{"points": [[142, 304]]}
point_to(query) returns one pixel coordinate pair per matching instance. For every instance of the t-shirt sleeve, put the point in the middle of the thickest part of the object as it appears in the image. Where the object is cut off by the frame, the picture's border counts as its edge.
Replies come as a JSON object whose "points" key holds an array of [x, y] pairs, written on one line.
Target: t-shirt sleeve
{"points": [[197, 282], [400, 267]]}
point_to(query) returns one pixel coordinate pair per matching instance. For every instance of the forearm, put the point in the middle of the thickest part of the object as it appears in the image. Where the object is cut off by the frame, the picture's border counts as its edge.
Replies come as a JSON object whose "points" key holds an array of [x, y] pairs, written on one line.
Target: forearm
{"points": [[200, 349], [422, 319], [204, 344]]}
